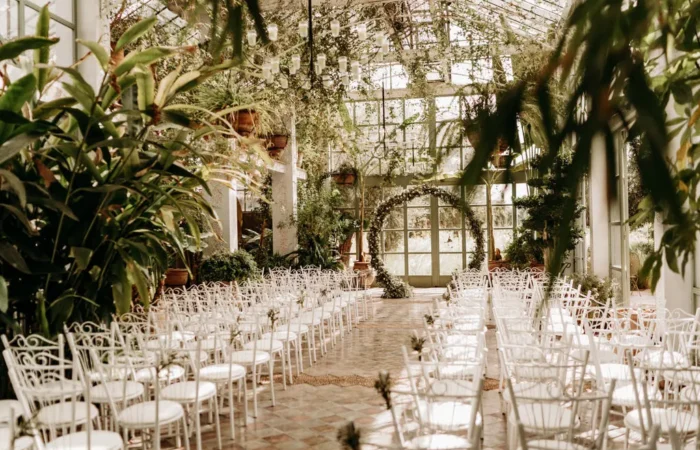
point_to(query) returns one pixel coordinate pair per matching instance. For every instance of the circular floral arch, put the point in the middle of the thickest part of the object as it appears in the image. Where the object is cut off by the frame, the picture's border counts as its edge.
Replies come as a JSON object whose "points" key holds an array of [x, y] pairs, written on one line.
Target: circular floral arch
{"points": [[393, 286]]}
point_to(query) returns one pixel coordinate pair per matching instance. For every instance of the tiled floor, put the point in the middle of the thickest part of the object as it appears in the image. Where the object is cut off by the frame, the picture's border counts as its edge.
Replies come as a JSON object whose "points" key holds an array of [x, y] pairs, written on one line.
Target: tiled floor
{"points": [[309, 416]]}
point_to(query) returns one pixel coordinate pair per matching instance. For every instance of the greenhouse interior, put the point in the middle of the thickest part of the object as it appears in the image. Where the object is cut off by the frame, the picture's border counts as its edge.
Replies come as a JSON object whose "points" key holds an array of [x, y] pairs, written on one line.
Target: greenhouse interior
{"points": [[349, 224]]}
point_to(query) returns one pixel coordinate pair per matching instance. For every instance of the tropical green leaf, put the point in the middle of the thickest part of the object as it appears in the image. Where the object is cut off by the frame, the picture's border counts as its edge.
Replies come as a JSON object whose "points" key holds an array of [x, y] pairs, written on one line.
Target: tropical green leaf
{"points": [[15, 145], [4, 296], [137, 278], [146, 87], [41, 54], [145, 57], [11, 256], [82, 256], [48, 109], [14, 48], [121, 288], [134, 32], [18, 93], [98, 51], [15, 184]]}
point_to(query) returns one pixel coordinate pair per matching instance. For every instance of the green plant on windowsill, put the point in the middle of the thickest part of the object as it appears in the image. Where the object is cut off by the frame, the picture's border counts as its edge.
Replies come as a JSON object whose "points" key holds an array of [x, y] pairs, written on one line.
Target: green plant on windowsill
{"points": [[602, 289]]}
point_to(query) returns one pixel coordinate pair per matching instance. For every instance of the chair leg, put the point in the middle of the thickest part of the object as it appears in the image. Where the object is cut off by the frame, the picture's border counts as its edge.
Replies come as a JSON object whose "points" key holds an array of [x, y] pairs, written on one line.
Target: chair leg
{"points": [[255, 391], [272, 379], [185, 433], [217, 424], [197, 424], [245, 401], [230, 406]]}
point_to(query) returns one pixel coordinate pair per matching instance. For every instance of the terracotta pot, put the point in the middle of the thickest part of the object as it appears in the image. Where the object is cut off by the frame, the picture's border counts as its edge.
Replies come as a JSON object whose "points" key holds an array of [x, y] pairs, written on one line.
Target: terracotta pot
{"points": [[176, 277], [361, 265], [277, 141], [244, 121], [274, 152], [344, 178]]}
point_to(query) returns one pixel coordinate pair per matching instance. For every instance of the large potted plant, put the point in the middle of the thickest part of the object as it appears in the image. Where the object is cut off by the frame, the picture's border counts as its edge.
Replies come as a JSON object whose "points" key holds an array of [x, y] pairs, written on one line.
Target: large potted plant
{"points": [[345, 175]]}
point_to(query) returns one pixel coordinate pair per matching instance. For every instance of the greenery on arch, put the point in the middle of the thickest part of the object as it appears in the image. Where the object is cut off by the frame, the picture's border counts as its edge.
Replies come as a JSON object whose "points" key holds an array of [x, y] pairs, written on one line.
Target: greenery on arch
{"points": [[393, 286]]}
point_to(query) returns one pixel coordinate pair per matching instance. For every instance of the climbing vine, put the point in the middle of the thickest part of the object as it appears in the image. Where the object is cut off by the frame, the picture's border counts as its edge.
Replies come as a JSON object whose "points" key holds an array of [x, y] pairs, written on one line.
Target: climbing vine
{"points": [[393, 286]]}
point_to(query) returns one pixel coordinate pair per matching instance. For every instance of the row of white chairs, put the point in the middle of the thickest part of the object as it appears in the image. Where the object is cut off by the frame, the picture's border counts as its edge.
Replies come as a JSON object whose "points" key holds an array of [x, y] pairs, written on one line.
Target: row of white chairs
{"points": [[151, 375], [577, 373]]}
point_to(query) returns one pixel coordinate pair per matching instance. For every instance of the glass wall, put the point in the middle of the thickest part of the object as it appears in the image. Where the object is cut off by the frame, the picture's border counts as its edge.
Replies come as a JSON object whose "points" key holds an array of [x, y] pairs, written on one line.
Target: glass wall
{"points": [[18, 18]]}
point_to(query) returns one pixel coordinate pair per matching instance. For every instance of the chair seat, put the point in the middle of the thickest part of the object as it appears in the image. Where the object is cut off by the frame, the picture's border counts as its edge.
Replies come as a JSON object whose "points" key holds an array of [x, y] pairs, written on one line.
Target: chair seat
{"points": [[187, 391], [245, 357], [143, 415], [7, 407], [99, 440], [117, 390], [682, 421], [462, 339], [21, 443], [661, 358], [544, 444], [218, 373], [625, 396], [539, 417], [690, 376], [451, 388], [171, 373], [438, 442], [614, 371], [447, 415], [264, 345], [533, 391], [280, 336], [451, 371], [461, 353], [57, 389], [61, 414]]}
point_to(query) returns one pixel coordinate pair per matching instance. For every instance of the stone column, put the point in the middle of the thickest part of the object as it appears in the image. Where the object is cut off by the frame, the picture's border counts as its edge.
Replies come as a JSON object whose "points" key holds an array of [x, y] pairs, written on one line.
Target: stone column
{"points": [[225, 202], [91, 26], [673, 290], [284, 196], [598, 209]]}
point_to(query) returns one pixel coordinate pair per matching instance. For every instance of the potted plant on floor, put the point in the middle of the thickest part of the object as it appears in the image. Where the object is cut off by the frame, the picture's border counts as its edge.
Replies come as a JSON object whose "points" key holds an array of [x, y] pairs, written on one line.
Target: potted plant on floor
{"points": [[229, 267]]}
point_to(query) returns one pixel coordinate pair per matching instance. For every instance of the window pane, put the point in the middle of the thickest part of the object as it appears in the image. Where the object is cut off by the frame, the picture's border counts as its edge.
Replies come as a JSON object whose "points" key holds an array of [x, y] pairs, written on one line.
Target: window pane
{"points": [[451, 161], [395, 220], [447, 108], [420, 264], [480, 213], [478, 195], [395, 264], [418, 218], [415, 107], [419, 241], [394, 111], [451, 241], [63, 53], [450, 218], [450, 263], [423, 200], [502, 216], [61, 8], [502, 238], [8, 19], [366, 113], [394, 241], [501, 194]]}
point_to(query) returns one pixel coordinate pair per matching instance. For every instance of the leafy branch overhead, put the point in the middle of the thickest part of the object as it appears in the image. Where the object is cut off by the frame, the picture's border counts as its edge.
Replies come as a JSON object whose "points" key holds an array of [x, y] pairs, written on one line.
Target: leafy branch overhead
{"points": [[606, 69]]}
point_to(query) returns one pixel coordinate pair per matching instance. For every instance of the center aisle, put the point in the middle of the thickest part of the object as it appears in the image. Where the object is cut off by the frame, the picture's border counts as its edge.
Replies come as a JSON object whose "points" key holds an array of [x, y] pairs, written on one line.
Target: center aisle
{"points": [[339, 387]]}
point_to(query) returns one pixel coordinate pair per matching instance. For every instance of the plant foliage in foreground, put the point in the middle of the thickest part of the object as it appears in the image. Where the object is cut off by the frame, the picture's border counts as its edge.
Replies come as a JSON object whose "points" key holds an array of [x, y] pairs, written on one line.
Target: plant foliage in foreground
{"points": [[610, 56], [95, 187]]}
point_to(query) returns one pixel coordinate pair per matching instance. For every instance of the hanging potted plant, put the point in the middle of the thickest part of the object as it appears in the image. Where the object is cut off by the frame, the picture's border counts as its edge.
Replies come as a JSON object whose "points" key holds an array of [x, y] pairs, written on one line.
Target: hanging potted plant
{"points": [[345, 175], [220, 94], [276, 143]]}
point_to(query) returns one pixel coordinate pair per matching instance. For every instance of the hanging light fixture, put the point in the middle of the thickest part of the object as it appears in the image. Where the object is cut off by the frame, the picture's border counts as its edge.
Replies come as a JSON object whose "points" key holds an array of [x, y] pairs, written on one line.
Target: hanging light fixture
{"points": [[343, 64], [283, 83], [385, 47], [275, 64], [335, 28], [362, 31], [272, 32], [295, 64], [364, 58], [307, 84], [303, 28], [320, 62], [327, 81], [355, 70], [379, 39], [267, 71], [345, 79], [252, 37]]}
